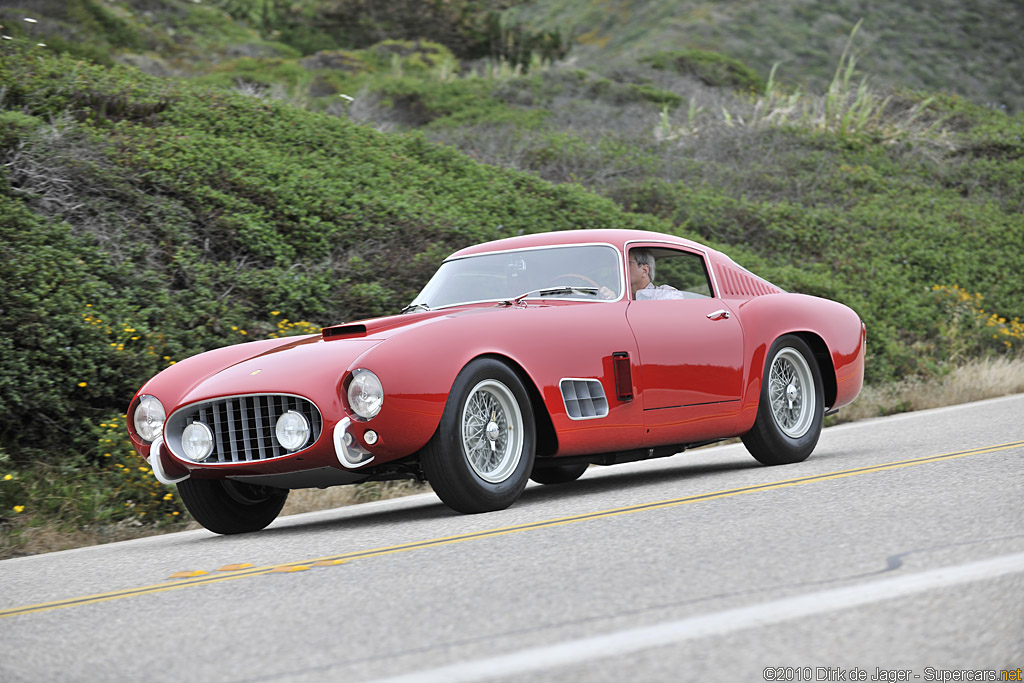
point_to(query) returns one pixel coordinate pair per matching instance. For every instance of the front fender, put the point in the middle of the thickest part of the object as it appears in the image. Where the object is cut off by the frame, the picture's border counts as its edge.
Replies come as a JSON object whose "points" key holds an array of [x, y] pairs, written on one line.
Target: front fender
{"points": [[545, 343]]}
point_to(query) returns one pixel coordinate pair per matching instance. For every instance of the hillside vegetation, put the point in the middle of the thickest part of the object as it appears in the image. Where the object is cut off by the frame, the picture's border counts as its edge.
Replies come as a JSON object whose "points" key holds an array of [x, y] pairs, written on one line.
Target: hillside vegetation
{"points": [[972, 49], [283, 186]]}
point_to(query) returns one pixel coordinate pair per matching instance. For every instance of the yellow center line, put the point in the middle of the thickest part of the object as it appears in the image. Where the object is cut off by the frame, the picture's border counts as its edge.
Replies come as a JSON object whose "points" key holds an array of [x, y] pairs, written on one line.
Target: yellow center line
{"points": [[491, 533]]}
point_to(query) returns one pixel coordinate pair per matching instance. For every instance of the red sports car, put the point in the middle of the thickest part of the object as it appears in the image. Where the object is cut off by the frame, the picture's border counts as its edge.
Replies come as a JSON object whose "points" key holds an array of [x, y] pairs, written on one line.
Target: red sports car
{"points": [[528, 357]]}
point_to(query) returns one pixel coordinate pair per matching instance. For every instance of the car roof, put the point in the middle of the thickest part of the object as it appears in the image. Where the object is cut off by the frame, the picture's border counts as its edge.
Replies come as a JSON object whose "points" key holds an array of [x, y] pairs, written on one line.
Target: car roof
{"points": [[616, 238]]}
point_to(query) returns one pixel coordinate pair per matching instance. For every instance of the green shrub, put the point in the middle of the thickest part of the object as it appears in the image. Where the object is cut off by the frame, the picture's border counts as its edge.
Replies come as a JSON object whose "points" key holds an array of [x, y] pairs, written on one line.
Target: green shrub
{"points": [[179, 216], [419, 103], [710, 68]]}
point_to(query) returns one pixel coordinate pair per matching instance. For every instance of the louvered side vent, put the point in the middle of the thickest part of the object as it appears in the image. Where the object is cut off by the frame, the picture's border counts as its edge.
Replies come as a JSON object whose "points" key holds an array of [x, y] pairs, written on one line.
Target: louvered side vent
{"points": [[244, 426], [740, 283], [584, 399]]}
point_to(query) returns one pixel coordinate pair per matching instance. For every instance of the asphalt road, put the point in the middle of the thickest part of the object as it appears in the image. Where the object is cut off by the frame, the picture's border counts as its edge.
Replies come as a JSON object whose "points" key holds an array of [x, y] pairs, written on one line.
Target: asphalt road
{"points": [[896, 552]]}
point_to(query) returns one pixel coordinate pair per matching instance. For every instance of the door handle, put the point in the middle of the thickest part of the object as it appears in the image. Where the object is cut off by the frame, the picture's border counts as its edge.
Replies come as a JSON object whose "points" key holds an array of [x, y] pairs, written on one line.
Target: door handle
{"points": [[720, 314]]}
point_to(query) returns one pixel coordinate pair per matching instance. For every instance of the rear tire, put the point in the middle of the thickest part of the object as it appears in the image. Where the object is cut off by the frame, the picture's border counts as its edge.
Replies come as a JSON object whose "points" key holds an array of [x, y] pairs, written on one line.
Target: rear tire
{"points": [[791, 410], [481, 456], [558, 474], [225, 506]]}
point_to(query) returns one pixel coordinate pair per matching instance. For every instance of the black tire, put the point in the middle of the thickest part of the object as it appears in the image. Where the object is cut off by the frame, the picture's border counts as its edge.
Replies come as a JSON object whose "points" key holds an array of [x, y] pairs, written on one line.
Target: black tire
{"points": [[558, 474], [475, 465], [789, 413], [231, 507]]}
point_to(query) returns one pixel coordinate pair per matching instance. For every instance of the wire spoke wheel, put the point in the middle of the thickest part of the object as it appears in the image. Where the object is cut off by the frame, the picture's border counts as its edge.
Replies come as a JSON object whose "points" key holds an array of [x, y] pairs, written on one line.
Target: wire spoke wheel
{"points": [[789, 387], [492, 431], [481, 456]]}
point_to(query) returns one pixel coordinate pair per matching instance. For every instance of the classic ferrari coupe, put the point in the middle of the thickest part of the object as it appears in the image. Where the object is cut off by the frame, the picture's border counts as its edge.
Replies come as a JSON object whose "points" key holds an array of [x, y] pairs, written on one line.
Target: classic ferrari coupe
{"points": [[531, 357]]}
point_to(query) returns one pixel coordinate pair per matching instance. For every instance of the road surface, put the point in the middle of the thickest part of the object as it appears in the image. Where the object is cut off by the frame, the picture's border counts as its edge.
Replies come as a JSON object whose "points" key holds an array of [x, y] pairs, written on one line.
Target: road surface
{"points": [[896, 552]]}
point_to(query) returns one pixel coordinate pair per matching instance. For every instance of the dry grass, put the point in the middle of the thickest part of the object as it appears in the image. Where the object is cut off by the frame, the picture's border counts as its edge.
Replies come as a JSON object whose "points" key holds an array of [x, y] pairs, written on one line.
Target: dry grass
{"points": [[308, 500], [28, 539], [974, 381]]}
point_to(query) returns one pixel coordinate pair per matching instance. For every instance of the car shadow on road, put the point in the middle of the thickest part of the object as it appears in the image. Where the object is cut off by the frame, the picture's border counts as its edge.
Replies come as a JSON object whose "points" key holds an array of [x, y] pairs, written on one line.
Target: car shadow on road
{"points": [[432, 509], [626, 479], [429, 508]]}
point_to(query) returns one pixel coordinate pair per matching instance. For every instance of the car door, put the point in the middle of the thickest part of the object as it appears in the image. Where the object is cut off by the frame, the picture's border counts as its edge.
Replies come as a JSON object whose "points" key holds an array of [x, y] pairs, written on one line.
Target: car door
{"points": [[690, 348]]}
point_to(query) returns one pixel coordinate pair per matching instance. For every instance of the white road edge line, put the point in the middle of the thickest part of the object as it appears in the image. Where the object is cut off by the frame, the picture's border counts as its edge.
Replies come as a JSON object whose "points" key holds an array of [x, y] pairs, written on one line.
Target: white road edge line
{"points": [[715, 624]]}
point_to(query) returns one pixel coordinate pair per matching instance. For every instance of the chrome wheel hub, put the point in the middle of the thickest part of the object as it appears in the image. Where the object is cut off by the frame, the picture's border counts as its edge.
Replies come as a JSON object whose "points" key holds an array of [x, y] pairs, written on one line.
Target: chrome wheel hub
{"points": [[492, 432]]}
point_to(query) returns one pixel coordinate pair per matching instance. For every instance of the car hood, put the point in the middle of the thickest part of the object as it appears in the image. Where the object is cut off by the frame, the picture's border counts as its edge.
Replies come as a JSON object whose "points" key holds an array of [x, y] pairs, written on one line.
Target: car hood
{"points": [[304, 366], [314, 364]]}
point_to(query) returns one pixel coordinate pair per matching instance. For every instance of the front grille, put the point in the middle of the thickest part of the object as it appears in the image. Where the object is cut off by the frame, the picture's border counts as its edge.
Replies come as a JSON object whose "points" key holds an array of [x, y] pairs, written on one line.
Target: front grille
{"points": [[243, 426]]}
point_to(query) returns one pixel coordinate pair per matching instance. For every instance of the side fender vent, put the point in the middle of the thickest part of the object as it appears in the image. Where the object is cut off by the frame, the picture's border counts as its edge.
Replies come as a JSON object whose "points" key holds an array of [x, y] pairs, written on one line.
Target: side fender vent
{"points": [[584, 398]]}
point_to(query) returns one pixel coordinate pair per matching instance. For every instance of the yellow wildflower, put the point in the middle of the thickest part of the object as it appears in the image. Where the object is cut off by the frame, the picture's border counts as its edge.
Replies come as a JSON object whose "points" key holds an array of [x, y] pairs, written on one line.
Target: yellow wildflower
{"points": [[18, 508]]}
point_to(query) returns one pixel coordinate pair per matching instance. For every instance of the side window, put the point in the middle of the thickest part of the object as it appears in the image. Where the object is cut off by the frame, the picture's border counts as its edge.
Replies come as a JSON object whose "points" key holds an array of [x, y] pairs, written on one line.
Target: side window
{"points": [[684, 271], [677, 274]]}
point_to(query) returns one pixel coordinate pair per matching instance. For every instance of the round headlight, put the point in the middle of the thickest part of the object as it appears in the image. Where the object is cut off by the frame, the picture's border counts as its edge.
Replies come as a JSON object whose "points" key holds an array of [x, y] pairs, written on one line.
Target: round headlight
{"points": [[292, 430], [365, 394], [149, 418], [197, 441]]}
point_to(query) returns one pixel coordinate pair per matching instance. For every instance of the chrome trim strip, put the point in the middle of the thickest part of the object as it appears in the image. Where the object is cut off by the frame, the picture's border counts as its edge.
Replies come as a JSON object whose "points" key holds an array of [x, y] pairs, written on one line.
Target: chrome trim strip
{"points": [[537, 248]]}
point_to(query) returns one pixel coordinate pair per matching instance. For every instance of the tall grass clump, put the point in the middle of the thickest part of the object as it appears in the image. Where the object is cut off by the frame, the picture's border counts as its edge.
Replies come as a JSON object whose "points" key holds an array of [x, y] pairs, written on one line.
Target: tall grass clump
{"points": [[849, 110]]}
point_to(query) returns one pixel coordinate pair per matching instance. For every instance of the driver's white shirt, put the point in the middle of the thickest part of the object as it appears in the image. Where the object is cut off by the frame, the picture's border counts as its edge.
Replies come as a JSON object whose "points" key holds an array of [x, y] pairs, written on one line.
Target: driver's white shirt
{"points": [[650, 293]]}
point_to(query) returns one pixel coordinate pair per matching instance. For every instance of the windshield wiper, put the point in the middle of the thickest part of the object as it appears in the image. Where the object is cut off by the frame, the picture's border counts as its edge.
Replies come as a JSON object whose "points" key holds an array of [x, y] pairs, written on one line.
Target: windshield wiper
{"points": [[413, 308], [549, 291]]}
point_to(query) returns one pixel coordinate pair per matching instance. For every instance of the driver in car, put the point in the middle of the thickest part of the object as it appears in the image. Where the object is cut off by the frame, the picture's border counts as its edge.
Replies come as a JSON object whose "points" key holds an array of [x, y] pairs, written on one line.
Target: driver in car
{"points": [[641, 278]]}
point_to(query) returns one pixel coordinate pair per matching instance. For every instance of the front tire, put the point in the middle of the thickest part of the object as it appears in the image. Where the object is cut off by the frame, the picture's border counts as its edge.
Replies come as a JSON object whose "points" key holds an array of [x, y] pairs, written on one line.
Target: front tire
{"points": [[231, 507], [791, 410], [481, 456]]}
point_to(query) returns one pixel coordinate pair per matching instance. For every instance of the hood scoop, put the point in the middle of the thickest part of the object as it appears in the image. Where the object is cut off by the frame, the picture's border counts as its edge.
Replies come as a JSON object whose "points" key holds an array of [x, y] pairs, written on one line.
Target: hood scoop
{"points": [[344, 332]]}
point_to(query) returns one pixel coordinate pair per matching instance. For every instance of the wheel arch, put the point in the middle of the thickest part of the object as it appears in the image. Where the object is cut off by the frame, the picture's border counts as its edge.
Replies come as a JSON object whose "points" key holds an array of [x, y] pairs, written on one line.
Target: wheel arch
{"points": [[831, 330], [823, 357], [546, 437]]}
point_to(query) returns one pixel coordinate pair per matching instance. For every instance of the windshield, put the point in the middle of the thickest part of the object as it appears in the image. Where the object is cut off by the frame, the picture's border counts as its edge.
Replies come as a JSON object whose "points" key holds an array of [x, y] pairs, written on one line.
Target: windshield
{"points": [[589, 273]]}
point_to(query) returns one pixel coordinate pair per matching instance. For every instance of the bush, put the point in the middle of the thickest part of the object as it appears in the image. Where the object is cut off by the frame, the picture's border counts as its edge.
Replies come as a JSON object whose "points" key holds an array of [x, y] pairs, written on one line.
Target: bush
{"points": [[710, 68], [175, 218]]}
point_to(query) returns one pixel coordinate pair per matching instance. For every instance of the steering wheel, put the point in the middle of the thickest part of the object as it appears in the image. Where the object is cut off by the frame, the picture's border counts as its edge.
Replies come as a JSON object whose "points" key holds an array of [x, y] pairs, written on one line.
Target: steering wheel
{"points": [[565, 276]]}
